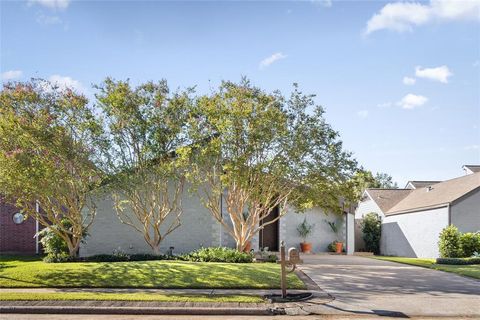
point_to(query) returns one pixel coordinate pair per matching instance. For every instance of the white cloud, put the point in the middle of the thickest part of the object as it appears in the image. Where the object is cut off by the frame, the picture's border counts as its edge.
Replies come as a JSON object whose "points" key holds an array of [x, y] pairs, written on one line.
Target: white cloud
{"points": [[412, 101], [440, 74], [66, 82], [48, 20], [51, 4], [11, 75], [409, 81], [323, 3], [362, 114], [403, 16], [476, 63], [269, 60]]}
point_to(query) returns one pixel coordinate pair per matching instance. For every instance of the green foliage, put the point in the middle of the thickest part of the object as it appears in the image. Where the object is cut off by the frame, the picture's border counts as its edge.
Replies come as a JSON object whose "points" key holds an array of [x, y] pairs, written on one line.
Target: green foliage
{"points": [[458, 261], [470, 243], [268, 256], [364, 179], [333, 225], [305, 229], [264, 150], [58, 257], [332, 246], [49, 137], [55, 246], [449, 243], [146, 132], [218, 254], [371, 232]]}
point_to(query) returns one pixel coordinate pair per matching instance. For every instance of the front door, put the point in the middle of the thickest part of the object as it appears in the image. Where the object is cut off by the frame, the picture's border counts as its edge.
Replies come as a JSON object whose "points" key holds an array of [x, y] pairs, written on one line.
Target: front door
{"points": [[269, 234]]}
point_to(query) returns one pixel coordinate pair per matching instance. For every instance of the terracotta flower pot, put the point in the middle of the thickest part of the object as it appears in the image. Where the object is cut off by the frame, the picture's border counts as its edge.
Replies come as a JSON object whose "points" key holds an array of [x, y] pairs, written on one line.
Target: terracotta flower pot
{"points": [[339, 247], [305, 247], [248, 247]]}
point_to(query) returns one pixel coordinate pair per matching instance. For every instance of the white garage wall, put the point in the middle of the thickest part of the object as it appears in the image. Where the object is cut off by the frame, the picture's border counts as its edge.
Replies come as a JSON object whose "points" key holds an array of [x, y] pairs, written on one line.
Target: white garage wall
{"points": [[465, 213], [413, 234], [322, 234]]}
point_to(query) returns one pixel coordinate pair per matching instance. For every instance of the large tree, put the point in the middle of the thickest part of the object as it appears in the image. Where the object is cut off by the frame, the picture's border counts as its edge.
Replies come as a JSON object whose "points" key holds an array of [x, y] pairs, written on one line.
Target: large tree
{"points": [[48, 158], [146, 127], [260, 151]]}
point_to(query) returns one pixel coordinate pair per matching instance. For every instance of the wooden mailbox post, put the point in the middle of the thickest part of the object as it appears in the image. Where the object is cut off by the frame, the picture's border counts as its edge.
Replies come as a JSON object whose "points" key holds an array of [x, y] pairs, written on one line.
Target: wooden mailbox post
{"points": [[291, 263]]}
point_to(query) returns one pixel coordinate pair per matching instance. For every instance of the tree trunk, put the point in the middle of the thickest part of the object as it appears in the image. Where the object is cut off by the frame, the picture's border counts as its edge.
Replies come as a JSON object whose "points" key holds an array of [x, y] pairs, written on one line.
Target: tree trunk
{"points": [[73, 248], [156, 249]]}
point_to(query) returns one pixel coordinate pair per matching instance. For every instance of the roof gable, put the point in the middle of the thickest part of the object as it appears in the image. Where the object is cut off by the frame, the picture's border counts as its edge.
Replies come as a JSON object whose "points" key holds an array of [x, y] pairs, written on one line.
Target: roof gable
{"points": [[387, 198]]}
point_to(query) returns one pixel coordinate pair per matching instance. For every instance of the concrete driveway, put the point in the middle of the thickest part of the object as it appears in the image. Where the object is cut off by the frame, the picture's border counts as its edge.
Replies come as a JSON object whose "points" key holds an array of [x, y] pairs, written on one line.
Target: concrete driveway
{"points": [[367, 286]]}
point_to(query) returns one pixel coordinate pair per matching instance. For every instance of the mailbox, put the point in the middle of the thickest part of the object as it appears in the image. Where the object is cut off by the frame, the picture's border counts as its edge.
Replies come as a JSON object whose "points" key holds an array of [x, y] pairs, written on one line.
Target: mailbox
{"points": [[294, 256]]}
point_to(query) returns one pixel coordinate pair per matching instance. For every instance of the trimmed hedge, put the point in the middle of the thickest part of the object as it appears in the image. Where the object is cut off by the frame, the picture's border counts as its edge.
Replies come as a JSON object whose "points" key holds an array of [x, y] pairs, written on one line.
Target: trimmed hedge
{"points": [[458, 261], [215, 254], [218, 254]]}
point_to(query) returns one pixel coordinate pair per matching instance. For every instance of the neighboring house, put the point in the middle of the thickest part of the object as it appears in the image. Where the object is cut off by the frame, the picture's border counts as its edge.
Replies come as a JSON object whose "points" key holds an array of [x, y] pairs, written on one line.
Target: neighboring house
{"points": [[471, 168], [200, 229], [413, 218], [17, 234]]}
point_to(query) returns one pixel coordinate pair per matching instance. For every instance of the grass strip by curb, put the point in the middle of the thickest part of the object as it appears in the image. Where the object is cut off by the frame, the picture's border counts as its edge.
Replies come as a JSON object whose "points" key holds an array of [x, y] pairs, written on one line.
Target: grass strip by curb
{"points": [[98, 296], [472, 271]]}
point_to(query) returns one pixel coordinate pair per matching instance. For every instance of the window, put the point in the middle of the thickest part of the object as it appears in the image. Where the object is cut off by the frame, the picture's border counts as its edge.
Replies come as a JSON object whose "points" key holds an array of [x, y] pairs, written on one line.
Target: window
{"points": [[18, 218]]}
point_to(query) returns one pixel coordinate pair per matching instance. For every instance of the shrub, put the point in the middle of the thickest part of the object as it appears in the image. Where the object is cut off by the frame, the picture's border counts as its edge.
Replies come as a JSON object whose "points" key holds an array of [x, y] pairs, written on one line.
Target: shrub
{"points": [[372, 231], [218, 254], [58, 257], [267, 256], [449, 244], [304, 229], [458, 261], [332, 247], [470, 243], [51, 242]]}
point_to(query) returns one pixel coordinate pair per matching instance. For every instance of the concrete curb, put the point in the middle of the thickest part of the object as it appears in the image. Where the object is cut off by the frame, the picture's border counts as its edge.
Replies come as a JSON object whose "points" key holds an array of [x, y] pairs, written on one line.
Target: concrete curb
{"points": [[140, 310]]}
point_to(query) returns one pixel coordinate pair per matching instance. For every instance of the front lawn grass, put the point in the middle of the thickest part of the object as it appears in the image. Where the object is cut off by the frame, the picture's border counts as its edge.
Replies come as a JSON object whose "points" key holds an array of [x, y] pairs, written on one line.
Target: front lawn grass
{"points": [[464, 270], [24, 272], [94, 296]]}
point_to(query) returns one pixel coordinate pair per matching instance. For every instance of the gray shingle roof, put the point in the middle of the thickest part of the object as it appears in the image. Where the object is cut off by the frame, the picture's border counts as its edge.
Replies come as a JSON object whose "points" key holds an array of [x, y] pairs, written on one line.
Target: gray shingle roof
{"points": [[472, 167], [440, 194], [387, 198], [421, 184]]}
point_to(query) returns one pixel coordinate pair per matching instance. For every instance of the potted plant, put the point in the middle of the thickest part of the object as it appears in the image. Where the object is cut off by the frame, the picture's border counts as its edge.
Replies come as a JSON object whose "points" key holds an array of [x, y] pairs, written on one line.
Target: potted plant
{"points": [[338, 244], [304, 230]]}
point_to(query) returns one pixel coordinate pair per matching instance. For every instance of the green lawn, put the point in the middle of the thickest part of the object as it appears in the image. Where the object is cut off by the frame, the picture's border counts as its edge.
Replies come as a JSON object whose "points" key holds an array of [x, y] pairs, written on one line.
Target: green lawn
{"points": [[27, 296], [25, 272], [464, 270]]}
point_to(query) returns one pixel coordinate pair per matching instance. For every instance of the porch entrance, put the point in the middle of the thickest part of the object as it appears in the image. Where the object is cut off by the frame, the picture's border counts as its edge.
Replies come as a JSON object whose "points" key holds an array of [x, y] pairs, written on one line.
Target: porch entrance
{"points": [[270, 234]]}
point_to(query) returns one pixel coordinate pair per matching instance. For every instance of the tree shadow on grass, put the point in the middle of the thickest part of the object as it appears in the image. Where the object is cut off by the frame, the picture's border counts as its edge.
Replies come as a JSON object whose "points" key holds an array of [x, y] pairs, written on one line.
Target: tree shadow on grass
{"points": [[155, 274]]}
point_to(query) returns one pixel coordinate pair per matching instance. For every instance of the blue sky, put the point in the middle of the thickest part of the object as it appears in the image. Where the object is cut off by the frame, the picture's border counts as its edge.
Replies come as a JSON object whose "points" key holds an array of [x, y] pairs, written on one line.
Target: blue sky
{"points": [[400, 81]]}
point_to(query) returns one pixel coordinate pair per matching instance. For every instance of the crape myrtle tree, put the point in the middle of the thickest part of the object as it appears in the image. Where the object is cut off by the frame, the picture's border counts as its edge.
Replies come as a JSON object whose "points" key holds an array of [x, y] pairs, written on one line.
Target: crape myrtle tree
{"points": [[146, 126], [48, 158], [259, 151]]}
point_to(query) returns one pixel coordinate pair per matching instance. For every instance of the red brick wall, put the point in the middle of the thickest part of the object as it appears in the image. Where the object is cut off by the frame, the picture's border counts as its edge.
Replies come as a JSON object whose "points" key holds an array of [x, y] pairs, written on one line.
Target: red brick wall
{"points": [[15, 238]]}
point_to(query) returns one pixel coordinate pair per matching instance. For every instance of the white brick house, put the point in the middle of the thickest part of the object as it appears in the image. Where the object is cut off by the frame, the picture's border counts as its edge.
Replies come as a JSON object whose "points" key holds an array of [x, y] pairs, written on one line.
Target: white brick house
{"points": [[199, 229]]}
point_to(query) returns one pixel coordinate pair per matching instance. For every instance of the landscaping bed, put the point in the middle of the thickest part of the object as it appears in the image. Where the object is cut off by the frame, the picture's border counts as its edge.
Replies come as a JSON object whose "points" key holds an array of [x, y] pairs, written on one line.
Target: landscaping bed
{"points": [[18, 271], [472, 270]]}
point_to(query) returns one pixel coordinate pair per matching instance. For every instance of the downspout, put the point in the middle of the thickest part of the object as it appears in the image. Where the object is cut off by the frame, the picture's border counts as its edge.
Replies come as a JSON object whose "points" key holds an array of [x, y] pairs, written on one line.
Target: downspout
{"points": [[449, 214], [37, 210], [346, 233]]}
